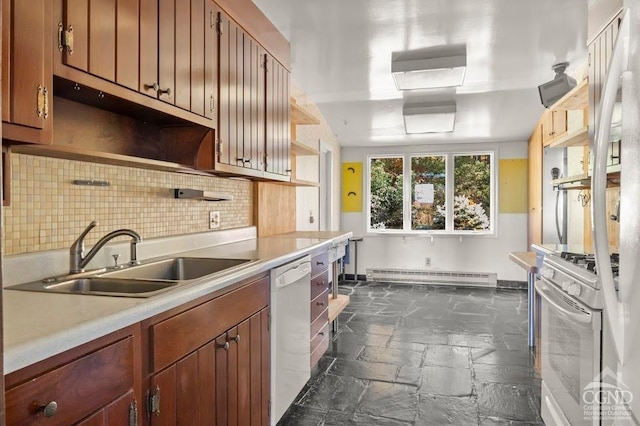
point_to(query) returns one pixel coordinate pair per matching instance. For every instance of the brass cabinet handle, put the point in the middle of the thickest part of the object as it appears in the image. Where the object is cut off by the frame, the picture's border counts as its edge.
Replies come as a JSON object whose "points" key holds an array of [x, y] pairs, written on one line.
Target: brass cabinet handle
{"points": [[212, 104], [236, 339], [224, 346], [166, 91], [50, 409], [153, 86]]}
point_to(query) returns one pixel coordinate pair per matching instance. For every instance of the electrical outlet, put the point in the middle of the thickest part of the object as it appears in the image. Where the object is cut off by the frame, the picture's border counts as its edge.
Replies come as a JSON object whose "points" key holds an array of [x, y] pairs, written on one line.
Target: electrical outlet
{"points": [[427, 261], [214, 220]]}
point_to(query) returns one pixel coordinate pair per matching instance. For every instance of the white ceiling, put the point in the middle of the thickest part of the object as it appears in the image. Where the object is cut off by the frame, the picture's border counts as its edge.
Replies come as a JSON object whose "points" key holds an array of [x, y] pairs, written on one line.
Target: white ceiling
{"points": [[341, 57]]}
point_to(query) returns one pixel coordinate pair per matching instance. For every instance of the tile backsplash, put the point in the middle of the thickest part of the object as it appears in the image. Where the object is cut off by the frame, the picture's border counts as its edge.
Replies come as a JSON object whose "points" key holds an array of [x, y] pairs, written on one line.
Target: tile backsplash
{"points": [[48, 211]]}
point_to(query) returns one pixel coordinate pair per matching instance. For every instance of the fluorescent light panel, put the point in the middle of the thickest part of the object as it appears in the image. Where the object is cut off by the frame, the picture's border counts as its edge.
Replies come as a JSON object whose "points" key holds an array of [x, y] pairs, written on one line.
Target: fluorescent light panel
{"points": [[430, 118], [441, 66]]}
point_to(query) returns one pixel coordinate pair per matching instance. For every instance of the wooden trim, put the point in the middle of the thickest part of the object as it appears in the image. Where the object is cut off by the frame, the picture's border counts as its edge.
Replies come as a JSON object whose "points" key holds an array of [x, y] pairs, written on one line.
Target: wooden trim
{"points": [[300, 115], [299, 148], [6, 175], [578, 138], [576, 99]]}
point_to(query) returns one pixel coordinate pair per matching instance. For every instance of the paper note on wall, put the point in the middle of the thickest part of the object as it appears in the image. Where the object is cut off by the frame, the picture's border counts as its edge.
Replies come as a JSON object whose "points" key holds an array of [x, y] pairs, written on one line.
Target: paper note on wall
{"points": [[352, 187], [424, 193]]}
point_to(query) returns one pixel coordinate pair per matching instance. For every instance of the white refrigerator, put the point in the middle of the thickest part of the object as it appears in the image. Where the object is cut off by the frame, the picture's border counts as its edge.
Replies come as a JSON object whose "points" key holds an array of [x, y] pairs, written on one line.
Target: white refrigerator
{"points": [[621, 295]]}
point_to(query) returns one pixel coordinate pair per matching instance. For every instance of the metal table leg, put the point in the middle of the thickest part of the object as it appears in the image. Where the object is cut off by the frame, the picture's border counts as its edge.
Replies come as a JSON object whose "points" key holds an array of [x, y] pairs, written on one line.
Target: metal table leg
{"points": [[531, 280]]}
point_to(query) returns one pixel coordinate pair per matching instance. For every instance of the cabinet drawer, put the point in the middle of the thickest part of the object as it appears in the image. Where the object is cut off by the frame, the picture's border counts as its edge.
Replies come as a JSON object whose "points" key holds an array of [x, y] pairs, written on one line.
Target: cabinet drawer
{"points": [[319, 284], [319, 351], [180, 335], [319, 337], [319, 263], [319, 304], [318, 323], [79, 388]]}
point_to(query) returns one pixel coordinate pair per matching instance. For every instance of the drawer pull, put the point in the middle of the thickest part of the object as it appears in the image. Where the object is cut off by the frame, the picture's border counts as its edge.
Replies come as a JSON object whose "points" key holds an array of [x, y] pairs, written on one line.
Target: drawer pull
{"points": [[224, 346], [320, 303], [166, 91], [321, 283], [321, 333], [153, 86], [237, 338], [320, 263], [50, 409]]}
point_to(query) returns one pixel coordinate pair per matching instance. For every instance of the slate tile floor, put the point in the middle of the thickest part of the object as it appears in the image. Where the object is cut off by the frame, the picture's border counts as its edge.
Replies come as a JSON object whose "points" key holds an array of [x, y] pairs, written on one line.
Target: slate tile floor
{"points": [[424, 355]]}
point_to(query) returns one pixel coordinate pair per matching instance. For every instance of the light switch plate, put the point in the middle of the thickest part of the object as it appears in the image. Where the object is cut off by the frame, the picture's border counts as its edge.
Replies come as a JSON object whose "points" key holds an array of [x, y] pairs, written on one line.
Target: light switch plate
{"points": [[214, 220]]}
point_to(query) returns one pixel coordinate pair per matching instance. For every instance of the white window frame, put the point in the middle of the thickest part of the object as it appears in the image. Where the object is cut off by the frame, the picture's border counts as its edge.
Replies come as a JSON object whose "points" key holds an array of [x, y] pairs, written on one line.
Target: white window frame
{"points": [[449, 197]]}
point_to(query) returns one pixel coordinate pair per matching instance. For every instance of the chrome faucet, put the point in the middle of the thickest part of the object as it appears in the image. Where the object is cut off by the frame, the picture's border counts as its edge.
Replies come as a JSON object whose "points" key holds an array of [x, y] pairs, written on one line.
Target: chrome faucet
{"points": [[78, 260]]}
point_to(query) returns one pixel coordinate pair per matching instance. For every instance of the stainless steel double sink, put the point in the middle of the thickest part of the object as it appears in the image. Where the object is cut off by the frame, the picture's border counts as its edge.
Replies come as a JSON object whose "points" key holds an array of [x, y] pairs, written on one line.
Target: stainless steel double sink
{"points": [[144, 280]]}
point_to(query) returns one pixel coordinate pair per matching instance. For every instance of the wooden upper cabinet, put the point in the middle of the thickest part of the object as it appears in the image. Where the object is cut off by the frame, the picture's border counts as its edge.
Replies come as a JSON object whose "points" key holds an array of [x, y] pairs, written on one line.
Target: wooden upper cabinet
{"points": [[165, 49], [102, 39], [554, 125], [27, 83], [278, 124]]}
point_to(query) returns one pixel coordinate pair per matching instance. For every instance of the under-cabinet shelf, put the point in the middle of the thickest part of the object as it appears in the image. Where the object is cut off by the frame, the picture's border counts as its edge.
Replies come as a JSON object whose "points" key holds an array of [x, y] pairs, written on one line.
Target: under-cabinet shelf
{"points": [[301, 182], [300, 115], [576, 99], [337, 305], [298, 148], [583, 181], [577, 138]]}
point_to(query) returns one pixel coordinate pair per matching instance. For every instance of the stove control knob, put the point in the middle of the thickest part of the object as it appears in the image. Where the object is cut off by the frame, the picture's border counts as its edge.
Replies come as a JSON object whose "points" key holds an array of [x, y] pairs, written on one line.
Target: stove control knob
{"points": [[575, 289], [547, 273], [566, 285]]}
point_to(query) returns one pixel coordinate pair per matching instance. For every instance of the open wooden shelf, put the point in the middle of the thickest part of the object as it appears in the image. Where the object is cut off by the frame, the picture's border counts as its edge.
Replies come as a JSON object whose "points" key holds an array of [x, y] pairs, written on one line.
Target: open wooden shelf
{"points": [[578, 138], [337, 305], [301, 182], [583, 181], [81, 154], [576, 99], [298, 148], [299, 115]]}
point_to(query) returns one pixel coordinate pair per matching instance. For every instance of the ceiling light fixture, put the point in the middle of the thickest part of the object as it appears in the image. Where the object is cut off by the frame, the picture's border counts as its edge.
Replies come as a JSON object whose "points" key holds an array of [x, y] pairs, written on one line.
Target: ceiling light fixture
{"points": [[440, 66], [429, 118]]}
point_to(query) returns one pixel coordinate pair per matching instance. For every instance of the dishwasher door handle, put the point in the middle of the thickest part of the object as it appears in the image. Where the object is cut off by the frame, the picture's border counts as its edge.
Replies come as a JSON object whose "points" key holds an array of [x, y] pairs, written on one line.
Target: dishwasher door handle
{"points": [[294, 275]]}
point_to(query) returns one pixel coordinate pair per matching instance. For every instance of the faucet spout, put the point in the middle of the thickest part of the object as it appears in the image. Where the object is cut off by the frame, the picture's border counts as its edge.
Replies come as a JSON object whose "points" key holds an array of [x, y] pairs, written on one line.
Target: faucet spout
{"points": [[78, 260]]}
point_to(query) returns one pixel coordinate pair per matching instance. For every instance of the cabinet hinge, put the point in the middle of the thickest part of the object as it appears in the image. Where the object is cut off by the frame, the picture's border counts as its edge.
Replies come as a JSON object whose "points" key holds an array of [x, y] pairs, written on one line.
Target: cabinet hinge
{"points": [[212, 103], [269, 409], [265, 63], [269, 327], [133, 413], [219, 24], [153, 405], [212, 20], [42, 101], [219, 147], [65, 38]]}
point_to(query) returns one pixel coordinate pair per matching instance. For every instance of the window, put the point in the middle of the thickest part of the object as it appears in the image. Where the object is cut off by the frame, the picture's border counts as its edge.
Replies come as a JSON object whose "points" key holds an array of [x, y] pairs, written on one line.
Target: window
{"points": [[447, 193]]}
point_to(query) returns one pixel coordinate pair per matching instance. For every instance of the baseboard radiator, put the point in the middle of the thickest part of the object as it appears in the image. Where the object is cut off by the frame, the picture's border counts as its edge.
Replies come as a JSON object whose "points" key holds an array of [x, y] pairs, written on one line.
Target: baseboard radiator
{"points": [[479, 279]]}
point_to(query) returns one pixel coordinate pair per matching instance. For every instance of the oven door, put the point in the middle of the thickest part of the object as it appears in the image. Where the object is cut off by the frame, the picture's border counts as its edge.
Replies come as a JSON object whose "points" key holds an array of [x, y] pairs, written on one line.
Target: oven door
{"points": [[571, 352]]}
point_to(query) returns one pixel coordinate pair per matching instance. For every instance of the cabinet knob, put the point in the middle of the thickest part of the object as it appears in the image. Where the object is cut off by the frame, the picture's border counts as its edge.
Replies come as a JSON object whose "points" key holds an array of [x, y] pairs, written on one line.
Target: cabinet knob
{"points": [[166, 91], [320, 283], [237, 338], [224, 346], [320, 303], [50, 409], [153, 86], [320, 263]]}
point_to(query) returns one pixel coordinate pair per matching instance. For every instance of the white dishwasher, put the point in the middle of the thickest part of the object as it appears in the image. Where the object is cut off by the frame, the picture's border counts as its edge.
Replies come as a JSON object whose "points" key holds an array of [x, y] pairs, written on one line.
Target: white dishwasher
{"points": [[290, 335]]}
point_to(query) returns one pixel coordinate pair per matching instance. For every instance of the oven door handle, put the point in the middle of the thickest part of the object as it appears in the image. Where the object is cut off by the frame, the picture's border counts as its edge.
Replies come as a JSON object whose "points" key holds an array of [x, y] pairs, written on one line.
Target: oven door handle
{"points": [[548, 297]]}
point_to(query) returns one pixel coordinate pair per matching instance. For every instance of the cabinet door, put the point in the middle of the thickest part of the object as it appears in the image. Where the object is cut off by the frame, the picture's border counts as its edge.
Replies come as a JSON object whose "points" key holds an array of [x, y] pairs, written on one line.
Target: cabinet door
{"points": [[167, 50], [105, 40], [27, 70], [254, 104], [229, 82], [148, 47], [278, 124], [123, 411], [210, 61], [535, 188]]}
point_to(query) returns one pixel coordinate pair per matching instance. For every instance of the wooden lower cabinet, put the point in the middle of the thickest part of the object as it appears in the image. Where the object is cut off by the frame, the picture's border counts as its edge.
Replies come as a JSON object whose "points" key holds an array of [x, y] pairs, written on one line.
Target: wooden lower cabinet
{"points": [[319, 306], [95, 384], [225, 380]]}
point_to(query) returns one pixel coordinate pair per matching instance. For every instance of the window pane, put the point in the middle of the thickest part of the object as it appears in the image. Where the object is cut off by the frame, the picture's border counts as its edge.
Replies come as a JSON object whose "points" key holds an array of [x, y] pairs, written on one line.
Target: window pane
{"points": [[428, 179], [472, 192], [386, 193]]}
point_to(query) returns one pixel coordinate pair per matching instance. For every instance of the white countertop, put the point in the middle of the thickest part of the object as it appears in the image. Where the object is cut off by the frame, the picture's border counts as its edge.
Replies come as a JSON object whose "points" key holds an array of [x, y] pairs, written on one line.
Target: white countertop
{"points": [[40, 325]]}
